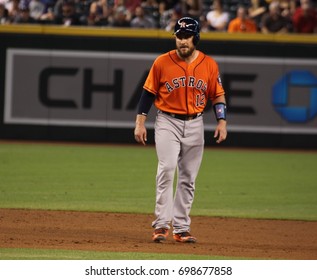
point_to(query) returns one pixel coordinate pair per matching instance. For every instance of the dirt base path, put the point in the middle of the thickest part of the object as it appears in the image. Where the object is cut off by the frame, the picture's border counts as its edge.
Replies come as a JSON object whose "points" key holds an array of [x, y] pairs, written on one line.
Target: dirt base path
{"points": [[268, 239]]}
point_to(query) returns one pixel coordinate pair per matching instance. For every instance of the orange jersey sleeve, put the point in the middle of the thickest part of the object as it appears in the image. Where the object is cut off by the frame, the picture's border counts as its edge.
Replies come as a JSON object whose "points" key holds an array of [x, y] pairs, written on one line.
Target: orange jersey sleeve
{"points": [[183, 88]]}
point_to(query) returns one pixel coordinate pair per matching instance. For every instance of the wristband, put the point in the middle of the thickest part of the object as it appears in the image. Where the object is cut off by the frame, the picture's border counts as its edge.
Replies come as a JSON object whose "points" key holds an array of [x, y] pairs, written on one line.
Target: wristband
{"points": [[220, 110]]}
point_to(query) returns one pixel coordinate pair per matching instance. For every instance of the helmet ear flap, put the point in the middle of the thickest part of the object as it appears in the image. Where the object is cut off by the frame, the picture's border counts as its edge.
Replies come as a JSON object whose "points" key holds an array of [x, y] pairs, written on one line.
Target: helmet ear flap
{"points": [[196, 39]]}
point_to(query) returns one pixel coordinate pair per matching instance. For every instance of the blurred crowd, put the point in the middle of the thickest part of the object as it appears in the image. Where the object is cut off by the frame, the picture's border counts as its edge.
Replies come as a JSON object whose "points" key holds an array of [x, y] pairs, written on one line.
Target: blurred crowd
{"points": [[245, 16]]}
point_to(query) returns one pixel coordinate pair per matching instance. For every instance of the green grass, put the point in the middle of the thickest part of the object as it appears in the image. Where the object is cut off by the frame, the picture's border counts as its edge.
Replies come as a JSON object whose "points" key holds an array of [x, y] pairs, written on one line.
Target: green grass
{"points": [[41, 254], [76, 178], [258, 184], [232, 183]]}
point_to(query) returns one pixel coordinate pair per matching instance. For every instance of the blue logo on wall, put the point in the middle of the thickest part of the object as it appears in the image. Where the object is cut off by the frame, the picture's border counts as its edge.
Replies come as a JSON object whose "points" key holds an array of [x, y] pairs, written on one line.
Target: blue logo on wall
{"points": [[298, 114]]}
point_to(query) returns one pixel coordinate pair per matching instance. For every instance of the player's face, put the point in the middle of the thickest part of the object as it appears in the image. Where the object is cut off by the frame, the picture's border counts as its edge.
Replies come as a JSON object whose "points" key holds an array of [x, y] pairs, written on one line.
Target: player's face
{"points": [[184, 45]]}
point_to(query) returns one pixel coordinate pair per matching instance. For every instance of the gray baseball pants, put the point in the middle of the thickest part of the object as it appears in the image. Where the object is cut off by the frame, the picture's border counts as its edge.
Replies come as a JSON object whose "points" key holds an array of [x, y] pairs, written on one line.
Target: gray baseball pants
{"points": [[179, 146]]}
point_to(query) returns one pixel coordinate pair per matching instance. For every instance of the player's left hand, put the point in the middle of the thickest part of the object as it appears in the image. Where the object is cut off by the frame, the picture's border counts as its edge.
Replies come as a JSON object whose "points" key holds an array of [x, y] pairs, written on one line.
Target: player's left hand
{"points": [[221, 131], [140, 132]]}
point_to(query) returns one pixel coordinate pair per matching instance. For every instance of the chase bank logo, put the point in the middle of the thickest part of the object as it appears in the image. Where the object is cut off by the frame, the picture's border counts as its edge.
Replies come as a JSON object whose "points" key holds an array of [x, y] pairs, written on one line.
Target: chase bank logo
{"points": [[281, 91]]}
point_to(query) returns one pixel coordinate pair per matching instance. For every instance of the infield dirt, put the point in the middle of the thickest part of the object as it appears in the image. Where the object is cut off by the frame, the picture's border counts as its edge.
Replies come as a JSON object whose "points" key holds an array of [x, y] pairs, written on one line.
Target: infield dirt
{"points": [[117, 232]]}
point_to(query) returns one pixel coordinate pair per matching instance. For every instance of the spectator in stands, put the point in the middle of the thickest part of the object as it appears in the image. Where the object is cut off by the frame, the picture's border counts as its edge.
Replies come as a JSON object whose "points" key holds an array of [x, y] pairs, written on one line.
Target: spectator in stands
{"points": [[69, 16], [120, 9], [204, 25], [151, 9], [256, 10], [99, 12], [130, 6], [175, 16], [48, 16], [4, 15], [57, 8], [37, 9], [192, 8], [82, 8], [273, 21], [287, 7], [141, 20], [53, 11], [167, 5], [51, 3], [13, 9], [167, 10], [121, 17], [242, 23], [23, 16], [217, 18], [305, 18]]}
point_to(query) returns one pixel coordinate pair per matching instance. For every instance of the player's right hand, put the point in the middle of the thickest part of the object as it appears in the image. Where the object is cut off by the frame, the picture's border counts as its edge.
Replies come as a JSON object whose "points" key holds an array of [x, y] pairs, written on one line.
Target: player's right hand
{"points": [[140, 134]]}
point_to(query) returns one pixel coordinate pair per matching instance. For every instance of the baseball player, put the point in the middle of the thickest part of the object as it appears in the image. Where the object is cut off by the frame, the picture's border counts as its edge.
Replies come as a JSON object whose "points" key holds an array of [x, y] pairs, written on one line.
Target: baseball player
{"points": [[179, 83]]}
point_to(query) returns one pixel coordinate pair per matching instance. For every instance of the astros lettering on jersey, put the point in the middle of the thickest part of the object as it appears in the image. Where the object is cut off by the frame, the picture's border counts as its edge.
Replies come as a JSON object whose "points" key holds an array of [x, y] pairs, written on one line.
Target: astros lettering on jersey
{"points": [[186, 87]]}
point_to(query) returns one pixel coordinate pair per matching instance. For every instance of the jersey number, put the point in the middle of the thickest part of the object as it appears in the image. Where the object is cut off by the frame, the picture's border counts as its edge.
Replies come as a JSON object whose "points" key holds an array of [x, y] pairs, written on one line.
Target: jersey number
{"points": [[200, 99]]}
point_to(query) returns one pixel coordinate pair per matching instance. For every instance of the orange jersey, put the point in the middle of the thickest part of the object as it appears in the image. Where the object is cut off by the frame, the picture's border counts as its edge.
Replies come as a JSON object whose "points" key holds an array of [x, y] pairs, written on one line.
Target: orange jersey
{"points": [[242, 26], [182, 88]]}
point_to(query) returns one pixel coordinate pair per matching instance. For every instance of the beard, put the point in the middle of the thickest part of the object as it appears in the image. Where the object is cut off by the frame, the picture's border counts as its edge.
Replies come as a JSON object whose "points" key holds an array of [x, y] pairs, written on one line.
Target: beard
{"points": [[185, 52]]}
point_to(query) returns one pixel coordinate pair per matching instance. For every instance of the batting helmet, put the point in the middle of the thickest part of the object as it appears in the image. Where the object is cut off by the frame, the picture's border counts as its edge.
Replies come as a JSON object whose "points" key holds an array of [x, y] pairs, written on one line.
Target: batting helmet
{"points": [[188, 25]]}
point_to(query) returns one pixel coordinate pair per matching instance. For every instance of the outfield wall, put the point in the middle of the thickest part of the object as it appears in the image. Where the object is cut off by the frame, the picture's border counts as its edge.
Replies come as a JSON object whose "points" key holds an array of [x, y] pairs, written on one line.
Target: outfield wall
{"points": [[83, 84]]}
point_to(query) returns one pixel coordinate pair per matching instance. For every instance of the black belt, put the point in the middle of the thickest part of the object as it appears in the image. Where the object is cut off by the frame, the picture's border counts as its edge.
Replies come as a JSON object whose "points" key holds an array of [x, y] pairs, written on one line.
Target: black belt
{"points": [[182, 117]]}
